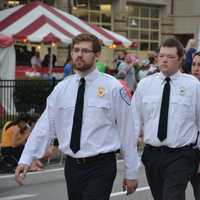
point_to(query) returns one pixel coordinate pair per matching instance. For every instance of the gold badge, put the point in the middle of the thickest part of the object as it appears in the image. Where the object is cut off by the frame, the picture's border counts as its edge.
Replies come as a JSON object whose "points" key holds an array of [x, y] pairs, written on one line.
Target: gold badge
{"points": [[101, 91], [182, 91]]}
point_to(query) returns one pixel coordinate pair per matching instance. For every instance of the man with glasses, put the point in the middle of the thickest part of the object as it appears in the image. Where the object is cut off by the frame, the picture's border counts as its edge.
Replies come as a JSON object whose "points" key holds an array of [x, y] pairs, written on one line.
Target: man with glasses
{"points": [[91, 116], [167, 105]]}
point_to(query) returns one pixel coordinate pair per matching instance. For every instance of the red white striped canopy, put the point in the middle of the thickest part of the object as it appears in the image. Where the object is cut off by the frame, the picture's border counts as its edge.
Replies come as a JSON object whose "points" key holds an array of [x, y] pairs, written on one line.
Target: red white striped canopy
{"points": [[38, 22]]}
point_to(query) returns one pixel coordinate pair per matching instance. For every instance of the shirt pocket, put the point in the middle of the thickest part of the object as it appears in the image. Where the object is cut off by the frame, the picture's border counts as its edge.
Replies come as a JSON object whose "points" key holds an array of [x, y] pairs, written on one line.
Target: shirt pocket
{"points": [[181, 107], [150, 106], [99, 110], [64, 113]]}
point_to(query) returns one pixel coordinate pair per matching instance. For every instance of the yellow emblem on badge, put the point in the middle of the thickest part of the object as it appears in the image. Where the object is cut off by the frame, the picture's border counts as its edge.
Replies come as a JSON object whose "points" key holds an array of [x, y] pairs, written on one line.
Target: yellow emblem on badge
{"points": [[101, 91]]}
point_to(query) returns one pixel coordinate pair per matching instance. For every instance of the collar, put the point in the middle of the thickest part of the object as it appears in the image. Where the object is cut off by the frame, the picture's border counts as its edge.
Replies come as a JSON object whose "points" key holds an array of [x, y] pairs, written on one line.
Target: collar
{"points": [[173, 77], [89, 77]]}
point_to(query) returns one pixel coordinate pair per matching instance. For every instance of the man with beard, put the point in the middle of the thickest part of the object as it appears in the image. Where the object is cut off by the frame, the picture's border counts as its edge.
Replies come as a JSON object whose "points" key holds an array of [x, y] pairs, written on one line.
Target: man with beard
{"points": [[90, 114]]}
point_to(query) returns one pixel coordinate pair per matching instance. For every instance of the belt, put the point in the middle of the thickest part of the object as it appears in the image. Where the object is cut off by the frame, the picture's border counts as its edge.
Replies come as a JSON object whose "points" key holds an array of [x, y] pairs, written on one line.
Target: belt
{"points": [[85, 160], [168, 149]]}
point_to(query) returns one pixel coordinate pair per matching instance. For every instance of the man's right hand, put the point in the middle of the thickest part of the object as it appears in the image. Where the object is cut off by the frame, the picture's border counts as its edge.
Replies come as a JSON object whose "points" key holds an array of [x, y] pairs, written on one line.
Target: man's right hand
{"points": [[20, 173]]}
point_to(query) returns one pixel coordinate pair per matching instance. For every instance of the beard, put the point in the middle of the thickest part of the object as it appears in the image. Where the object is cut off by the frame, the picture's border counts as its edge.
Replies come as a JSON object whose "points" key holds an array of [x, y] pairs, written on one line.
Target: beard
{"points": [[82, 66]]}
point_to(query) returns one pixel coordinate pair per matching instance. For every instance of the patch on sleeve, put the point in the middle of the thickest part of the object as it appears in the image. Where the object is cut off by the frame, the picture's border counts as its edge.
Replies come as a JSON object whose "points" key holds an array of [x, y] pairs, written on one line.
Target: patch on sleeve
{"points": [[125, 96]]}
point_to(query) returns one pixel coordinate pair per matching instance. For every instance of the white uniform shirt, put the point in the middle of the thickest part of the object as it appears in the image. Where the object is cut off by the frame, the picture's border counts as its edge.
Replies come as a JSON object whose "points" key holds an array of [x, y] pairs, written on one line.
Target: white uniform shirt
{"points": [[107, 120], [184, 109]]}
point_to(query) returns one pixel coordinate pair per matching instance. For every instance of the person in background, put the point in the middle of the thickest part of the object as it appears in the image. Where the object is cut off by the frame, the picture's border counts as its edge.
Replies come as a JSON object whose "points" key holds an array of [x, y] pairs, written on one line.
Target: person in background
{"points": [[196, 65], [68, 68], [25, 56], [120, 57], [35, 60], [127, 65], [195, 181], [83, 112], [121, 75], [143, 70], [47, 59], [190, 50], [153, 65], [166, 105], [101, 66], [13, 139]]}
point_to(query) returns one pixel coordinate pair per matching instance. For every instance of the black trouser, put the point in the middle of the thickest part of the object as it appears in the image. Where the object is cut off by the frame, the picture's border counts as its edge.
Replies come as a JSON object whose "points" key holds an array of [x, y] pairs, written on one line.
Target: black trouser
{"points": [[169, 170], [195, 181], [91, 179]]}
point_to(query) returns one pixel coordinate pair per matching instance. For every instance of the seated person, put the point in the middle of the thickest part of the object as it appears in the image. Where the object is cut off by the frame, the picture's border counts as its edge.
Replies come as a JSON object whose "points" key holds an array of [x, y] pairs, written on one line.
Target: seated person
{"points": [[14, 136], [13, 139]]}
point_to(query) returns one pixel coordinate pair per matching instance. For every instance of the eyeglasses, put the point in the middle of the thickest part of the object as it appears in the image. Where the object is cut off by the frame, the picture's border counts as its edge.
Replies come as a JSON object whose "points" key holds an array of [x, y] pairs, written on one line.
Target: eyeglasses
{"points": [[83, 50]]}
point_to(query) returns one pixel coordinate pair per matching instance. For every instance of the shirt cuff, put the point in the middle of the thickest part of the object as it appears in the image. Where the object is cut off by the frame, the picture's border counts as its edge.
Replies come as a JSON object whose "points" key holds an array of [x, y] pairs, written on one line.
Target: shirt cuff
{"points": [[132, 174], [25, 160]]}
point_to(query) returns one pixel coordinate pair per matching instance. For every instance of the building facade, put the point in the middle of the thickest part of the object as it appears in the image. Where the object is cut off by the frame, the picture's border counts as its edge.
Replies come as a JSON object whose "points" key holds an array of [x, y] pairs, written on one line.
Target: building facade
{"points": [[147, 21]]}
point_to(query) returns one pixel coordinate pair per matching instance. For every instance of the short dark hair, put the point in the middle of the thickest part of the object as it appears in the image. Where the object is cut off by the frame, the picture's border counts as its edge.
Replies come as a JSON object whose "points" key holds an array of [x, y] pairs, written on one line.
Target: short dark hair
{"points": [[86, 37], [196, 54], [173, 42], [22, 117]]}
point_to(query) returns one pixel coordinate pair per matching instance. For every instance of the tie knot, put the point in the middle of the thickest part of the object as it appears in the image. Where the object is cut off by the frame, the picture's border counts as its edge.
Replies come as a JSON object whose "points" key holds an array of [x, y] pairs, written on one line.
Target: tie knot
{"points": [[167, 79], [82, 81]]}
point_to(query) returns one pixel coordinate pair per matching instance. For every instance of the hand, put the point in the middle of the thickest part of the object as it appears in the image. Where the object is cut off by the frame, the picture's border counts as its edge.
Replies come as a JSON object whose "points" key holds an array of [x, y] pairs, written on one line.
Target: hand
{"points": [[130, 186], [36, 165], [20, 173]]}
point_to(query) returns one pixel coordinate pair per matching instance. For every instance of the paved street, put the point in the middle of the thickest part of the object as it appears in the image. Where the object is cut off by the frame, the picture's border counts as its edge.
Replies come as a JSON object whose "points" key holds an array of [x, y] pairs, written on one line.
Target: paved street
{"points": [[49, 185]]}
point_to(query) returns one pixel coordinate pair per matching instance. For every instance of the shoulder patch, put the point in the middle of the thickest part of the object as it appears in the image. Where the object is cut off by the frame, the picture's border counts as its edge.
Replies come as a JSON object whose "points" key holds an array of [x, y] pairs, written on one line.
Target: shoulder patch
{"points": [[125, 96]]}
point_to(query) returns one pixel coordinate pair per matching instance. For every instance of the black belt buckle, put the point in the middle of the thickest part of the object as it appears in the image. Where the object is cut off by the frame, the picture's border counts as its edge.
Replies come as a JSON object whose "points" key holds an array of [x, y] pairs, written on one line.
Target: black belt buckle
{"points": [[80, 161]]}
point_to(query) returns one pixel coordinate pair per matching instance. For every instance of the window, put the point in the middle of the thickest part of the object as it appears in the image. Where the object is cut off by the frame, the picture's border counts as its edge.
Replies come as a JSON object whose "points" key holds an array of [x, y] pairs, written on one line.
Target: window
{"points": [[106, 13], [133, 34], [133, 11], [144, 12], [154, 13], [95, 5], [144, 46], [98, 12], [81, 3], [144, 35], [154, 24], [144, 25], [154, 36], [133, 22], [81, 13], [94, 16], [154, 46]]}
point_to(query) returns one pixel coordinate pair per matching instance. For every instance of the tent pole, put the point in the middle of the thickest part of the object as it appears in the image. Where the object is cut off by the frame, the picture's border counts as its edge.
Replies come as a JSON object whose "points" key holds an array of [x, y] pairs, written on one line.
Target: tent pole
{"points": [[51, 59]]}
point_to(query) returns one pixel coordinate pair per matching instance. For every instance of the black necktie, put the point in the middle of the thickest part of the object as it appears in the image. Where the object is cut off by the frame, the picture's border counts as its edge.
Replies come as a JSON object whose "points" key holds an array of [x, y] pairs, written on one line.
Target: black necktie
{"points": [[162, 127], [77, 120]]}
